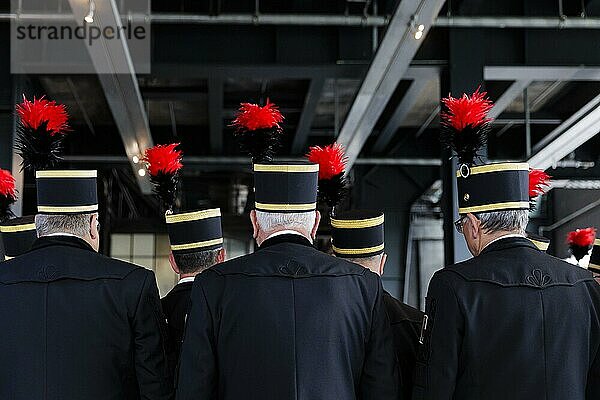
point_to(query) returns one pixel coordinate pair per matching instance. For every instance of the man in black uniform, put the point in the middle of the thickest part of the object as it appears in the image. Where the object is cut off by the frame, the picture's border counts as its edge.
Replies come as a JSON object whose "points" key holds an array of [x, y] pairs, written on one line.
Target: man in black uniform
{"points": [[79, 325], [358, 236], [595, 261], [18, 234], [542, 243], [287, 322], [512, 322], [196, 245]]}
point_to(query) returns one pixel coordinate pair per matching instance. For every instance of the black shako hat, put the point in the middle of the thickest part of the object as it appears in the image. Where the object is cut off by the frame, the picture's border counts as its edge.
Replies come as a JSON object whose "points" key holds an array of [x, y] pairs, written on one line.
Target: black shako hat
{"points": [[67, 191], [493, 187], [288, 187], [18, 234], [541, 242], [195, 231], [357, 233], [595, 258]]}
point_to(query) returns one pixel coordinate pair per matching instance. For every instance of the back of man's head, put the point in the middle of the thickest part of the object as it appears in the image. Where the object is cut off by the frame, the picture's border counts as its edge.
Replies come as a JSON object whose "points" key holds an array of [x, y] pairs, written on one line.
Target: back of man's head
{"points": [[266, 223], [84, 226], [198, 261], [373, 263], [513, 221]]}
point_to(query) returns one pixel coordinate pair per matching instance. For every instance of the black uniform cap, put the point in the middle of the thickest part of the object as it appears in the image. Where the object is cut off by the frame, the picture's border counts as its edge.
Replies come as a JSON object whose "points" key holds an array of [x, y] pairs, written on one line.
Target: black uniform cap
{"points": [[357, 233], [493, 187], [541, 242], [67, 192], [595, 258], [289, 187], [195, 231], [18, 234]]}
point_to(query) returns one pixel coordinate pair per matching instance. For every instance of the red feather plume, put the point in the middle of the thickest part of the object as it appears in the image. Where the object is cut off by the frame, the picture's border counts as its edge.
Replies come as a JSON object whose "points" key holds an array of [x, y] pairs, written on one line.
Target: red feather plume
{"points": [[8, 194], [582, 237], [164, 163], [7, 184], [331, 159], [467, 110], [163, 159], [539, 182], [251, 117], [35, 113]]}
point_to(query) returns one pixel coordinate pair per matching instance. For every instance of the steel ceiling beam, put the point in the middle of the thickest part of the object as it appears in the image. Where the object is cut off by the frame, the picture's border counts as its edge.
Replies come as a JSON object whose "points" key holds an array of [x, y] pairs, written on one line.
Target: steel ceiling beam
{"points": [[389, 65], [514, 90], [535, 73], [311, 101], [571, 134], [121, 90], [479, 22], [406, 104]]}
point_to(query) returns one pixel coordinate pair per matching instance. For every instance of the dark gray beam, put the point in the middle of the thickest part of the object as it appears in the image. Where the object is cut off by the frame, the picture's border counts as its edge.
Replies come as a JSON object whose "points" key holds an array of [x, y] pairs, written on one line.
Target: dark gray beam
{"points": [[215, 114], [535, 73], [388, 67], [478, 22], [406, 104], [514, 90], [311, 101], [120, 89]]}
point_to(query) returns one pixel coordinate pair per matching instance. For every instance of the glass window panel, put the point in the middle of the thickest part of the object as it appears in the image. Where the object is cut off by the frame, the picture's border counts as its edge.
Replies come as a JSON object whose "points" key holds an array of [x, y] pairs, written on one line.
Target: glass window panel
{"points": [[120, 245], [143, 244]]}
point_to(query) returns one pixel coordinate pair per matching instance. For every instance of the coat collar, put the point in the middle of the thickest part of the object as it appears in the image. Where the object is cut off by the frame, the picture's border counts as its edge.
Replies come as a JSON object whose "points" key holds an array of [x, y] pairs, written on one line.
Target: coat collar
{"points": [[70, 241], [508, 243], [297, 239]]}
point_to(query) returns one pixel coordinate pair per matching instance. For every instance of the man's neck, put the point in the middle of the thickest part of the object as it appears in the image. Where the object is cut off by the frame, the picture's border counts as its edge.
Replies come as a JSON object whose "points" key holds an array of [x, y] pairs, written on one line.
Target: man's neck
{"points": [[285, 232], [501, 235]]}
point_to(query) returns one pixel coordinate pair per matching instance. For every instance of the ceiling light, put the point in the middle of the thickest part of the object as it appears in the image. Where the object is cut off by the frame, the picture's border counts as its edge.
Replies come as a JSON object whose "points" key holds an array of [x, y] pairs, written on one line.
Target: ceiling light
{"points": [[141, 172], [418, 35], [89, 18], [135, 159]]}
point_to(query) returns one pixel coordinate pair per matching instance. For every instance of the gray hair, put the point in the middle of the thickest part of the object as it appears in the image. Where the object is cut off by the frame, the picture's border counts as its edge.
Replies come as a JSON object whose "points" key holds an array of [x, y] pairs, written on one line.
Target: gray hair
{"points": [[196, 262], [507, 221], [75, 224], [269, 222]]}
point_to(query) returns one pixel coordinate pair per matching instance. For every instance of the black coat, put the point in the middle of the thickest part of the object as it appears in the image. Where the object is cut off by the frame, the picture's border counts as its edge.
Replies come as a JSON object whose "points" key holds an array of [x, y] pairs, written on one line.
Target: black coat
{"points": [[287, 322], [513, 323], [406, 324], [78, 325], [176, 305]]}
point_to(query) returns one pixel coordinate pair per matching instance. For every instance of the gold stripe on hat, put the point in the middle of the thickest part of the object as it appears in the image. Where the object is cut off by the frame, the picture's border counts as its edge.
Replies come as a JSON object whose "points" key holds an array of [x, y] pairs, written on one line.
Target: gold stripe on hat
{"points": [[594, 267], [357, 223], [509, 205], [484, 169], [67, 174], [597, 242], [67, 209], [193, 216], [365, 250], [17, 228], [189, 246], [6, 258], [540, 245], [286, 207], [286, 168]]}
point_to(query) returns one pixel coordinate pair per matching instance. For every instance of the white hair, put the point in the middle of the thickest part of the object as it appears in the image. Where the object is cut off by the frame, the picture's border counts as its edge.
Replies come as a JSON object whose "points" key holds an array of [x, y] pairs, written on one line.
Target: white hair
{"points": [[508, 221], [76, 224], [269, 222]]}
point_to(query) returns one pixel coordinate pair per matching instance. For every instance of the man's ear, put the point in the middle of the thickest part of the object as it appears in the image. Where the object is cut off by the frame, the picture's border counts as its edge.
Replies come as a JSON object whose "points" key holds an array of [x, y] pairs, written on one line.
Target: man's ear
{"points": [[94, 234], [382, 263], [475, 226], [221, 256], [315, 228], [173, 263], [254, 224]]}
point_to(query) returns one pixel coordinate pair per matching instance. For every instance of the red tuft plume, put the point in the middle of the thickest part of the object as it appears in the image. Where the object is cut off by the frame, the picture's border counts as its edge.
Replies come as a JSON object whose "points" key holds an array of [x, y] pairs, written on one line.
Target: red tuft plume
{"points": [[582, 237], [467, 111], [163, 159], [539, 182], [7, 184], [35, 113], [251, 117], [331, 159], [8, 194]]}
